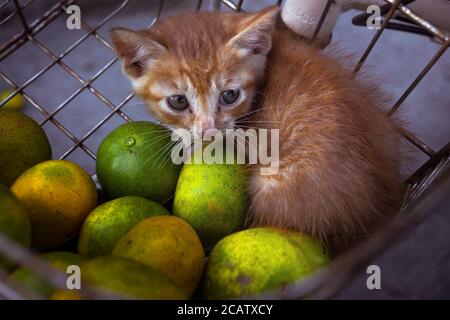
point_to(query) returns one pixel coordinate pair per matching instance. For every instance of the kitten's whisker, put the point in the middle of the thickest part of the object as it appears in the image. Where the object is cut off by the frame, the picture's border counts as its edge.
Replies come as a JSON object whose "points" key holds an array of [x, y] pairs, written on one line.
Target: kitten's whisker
{"points": [[153, 142], [251, 112], [245, 141], [157, 153], [159, 133], [249, 145], [248, 127], [153, 155], [153, 138], [160, 160]]}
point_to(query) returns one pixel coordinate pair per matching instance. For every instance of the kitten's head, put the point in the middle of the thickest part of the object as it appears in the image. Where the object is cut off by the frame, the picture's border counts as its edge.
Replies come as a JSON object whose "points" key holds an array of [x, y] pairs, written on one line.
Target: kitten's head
{"points": [[198, 71]]}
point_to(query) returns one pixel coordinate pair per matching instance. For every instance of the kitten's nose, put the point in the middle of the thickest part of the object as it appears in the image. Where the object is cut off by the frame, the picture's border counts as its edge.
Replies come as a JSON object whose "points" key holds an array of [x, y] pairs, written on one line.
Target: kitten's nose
{"points": [[206, 125], [201, 126]]}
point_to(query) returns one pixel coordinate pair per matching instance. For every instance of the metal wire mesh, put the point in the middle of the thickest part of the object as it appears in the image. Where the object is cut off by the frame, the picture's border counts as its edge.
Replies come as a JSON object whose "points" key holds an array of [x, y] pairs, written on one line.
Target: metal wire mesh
{"points": [[417, 182]]}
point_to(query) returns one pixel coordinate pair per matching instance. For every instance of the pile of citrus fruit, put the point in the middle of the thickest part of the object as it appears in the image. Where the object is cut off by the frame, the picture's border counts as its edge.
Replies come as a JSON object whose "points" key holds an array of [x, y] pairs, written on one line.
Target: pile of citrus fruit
{"points": [[160, 231]]}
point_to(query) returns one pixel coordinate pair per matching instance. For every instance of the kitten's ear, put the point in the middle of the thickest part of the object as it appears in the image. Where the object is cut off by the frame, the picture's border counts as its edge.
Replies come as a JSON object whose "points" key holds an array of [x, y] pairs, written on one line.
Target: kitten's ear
{"points": [[136, 49], [255, 33]]}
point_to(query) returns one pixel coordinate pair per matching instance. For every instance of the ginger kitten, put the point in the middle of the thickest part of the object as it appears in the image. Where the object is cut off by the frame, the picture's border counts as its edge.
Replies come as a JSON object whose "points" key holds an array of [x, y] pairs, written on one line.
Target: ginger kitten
{"points": [[338, 172]]}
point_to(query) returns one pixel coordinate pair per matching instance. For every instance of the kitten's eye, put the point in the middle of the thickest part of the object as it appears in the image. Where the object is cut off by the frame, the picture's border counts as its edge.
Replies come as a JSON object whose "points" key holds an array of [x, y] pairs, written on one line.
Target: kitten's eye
{"points": [[229, 96], [178, 102]]}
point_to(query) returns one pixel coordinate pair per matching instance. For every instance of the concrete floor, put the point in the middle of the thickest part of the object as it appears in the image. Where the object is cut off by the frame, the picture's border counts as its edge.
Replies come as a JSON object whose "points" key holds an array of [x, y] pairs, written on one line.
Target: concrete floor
{"points": [[395, 62]]}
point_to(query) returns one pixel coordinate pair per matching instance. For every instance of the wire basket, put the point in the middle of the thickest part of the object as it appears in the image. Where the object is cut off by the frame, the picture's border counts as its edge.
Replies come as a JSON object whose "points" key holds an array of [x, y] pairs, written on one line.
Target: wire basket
{"points": [[80, 144]]}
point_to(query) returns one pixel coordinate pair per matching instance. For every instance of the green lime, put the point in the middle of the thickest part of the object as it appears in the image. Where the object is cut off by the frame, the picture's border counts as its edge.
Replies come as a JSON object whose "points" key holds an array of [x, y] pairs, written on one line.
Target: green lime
{"points": [[14, 221], [212, 198], [59, 260], [15, 103], [129, 278], [106, 224], [23, 144], [58, 195], [135, 160], [167, 244], [256, 260]]}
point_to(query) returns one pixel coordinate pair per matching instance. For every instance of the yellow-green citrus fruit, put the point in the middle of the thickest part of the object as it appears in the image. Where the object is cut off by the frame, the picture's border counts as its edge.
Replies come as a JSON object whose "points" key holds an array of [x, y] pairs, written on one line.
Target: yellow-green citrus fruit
{"points": [[23, 144], [107, 223], [128, 278], [15, 103], [135, 160], [167, 244], [212, 198], [59, 260], [257, 260], [14, 222], [58, 195]]}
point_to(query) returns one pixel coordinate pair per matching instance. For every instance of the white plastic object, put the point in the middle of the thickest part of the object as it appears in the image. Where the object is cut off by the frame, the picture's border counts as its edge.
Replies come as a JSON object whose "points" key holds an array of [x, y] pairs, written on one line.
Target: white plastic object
{"points": [[302, 16]]}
